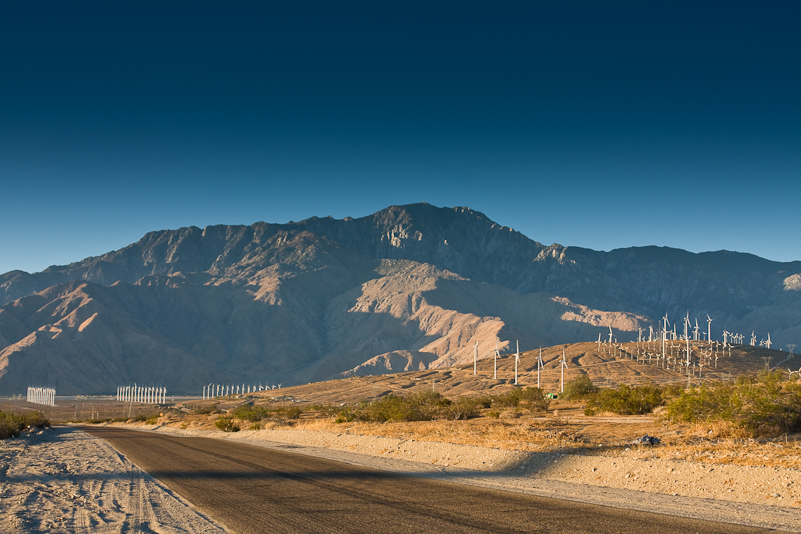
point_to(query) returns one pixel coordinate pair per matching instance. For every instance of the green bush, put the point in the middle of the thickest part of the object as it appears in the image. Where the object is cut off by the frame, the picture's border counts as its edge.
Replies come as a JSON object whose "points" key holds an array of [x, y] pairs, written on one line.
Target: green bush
{"points": [[226, 424], [626, 400], [206, 410], [12, 424], [423, 406], [761, 405], [462, 408], [536, 399], [246, 412], [289, 412], [580, 387], [428, 405]]}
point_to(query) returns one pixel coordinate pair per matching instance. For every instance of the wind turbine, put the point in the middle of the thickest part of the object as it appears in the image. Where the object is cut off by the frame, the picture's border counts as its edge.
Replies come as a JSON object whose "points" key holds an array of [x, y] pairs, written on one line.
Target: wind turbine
{"points": [[610, 335], [753, 338], [768, 342], [563, 367], [687, 325], [695, 330], [496, 360], [709, 328], [517, 359], [475, 357], [540, 365]]}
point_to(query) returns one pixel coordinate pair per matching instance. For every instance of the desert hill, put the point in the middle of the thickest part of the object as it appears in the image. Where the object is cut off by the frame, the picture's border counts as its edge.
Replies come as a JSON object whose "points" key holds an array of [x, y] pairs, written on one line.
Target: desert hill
{"points": [[407, 287]]}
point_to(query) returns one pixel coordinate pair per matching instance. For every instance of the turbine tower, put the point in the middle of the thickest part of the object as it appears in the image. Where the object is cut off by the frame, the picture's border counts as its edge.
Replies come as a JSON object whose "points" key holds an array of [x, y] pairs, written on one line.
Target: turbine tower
{"points": [[540, 365], [709, 327], [496, 361], [517, 359]]}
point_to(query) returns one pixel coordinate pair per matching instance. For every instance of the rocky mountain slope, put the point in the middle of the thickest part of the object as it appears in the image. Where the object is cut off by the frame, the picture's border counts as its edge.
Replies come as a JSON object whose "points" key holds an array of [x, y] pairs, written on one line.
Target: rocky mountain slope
{"points": [[406, 287]]}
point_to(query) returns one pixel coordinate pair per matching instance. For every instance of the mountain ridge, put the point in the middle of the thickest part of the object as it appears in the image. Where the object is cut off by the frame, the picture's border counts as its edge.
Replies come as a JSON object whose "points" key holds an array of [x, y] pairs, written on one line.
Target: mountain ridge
{"points": [[317, 298]]}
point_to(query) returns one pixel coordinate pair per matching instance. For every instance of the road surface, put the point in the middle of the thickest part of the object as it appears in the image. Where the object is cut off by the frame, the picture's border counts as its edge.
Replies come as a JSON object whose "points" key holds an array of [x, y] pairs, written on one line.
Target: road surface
{"points": [[252, 489]]}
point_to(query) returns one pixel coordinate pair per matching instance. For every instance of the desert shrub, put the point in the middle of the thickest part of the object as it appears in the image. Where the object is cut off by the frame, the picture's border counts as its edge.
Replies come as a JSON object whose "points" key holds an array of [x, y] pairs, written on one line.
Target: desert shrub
{"points": [[246, 412], [12, 424], [462, 408], [510, 399], [205, 410], [484, 401], [152, 420], [580, 387], [324, 409], [626, 400], [535, 398], [226, 424], [423, 406], [289, 412], [416, 407], [761, 405]]}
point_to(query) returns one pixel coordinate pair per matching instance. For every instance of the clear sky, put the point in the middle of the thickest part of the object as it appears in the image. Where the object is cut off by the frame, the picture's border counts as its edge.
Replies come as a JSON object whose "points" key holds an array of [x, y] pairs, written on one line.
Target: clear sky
{"points": [[596, 124]]}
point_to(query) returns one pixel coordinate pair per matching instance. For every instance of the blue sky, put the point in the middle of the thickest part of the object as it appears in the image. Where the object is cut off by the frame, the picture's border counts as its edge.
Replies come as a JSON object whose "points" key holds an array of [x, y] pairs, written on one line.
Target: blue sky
{"points": [[594, 124]]}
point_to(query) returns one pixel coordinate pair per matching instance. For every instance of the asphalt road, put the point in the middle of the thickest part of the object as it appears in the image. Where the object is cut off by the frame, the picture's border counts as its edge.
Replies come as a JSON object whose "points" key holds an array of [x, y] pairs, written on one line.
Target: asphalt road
{"points": [[252, 489]]}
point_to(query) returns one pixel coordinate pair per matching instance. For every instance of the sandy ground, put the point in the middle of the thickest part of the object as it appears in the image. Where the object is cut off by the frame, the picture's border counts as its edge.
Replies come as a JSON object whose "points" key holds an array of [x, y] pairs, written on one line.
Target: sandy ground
{"points": [[63, 480], [59, 479]]}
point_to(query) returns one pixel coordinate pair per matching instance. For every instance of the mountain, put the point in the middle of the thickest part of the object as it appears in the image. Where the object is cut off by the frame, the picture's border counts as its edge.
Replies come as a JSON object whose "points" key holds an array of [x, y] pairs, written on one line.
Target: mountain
{"points": [[406, 287]]}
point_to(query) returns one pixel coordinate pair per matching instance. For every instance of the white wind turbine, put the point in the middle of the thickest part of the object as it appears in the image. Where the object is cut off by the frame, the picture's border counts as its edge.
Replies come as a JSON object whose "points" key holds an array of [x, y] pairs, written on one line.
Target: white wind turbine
{"points": [[768, 342], [517, 359], [687, 325], [610, 335], [695, 330], [540, 365], [497, 354], [563, 367], [753, 338], [709, 329]]}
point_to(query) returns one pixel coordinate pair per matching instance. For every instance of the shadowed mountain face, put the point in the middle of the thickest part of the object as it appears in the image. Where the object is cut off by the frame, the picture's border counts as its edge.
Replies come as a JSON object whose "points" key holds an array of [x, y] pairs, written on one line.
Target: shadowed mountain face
{"points": [[406, 287]]}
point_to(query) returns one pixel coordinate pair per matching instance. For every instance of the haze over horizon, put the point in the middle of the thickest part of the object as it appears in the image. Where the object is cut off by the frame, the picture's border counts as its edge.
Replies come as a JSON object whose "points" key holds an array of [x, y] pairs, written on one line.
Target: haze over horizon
{"points": [[595, 125]]}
